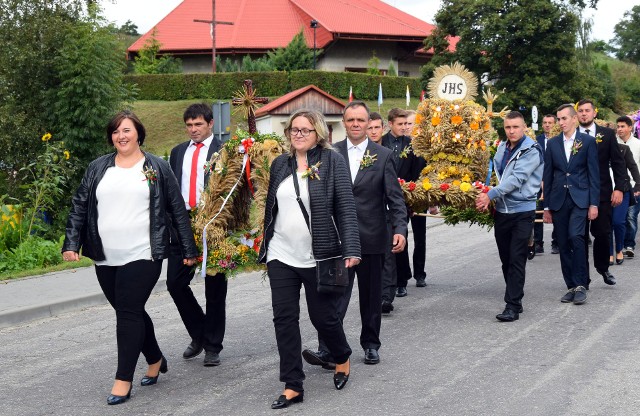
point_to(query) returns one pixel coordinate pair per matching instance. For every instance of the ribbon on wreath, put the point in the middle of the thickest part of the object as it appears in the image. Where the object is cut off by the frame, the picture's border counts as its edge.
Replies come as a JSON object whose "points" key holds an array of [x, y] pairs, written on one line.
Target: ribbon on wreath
{"points": [[245, 163], [244, 147]]}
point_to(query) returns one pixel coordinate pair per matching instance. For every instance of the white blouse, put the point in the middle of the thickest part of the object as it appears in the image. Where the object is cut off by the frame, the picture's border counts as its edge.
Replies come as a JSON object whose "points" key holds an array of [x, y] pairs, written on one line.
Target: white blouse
{"points": [[291, 241], [123, 215]]}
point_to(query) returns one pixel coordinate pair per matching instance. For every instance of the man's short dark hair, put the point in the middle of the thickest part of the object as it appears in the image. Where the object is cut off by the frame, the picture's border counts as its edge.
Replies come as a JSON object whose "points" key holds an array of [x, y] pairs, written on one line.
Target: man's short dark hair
{"points": [[198, 110], [115, 122], [573, 111], [549, 116], [356, 104], [625, 119], [586, 101], [395, 113], [375, 116], [513, 115]]}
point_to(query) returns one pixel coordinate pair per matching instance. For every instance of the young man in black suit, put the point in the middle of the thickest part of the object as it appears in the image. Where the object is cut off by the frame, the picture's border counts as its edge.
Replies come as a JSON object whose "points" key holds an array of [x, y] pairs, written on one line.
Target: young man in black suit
{"points": [[187, 162], [407, 168], [609, 156], [377, 195]]}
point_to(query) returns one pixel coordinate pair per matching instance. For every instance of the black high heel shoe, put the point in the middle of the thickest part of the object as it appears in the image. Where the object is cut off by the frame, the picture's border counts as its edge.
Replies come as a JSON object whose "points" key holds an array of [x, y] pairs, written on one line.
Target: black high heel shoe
{"points": [[113, 399], [150, 381], [282, 401], [340, 379]]}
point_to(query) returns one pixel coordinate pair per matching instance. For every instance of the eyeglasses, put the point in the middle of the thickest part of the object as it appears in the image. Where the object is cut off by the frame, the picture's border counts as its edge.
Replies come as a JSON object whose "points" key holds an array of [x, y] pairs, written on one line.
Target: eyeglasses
{"points": [[305, 132]]}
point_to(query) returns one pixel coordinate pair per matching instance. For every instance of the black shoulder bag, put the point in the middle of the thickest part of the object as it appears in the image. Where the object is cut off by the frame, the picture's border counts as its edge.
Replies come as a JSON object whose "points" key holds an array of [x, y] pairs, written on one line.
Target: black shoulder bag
{"points": [[332, 275]]}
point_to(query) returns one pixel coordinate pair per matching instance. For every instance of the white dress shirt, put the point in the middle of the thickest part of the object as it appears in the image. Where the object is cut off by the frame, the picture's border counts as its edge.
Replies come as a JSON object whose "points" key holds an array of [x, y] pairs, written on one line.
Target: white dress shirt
{"points": [[568, 144], [185, 181], [591, 128], [355, 153]]}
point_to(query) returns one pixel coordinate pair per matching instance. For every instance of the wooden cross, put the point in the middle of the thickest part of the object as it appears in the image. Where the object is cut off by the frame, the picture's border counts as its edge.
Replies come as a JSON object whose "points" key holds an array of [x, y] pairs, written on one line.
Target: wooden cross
{"points": [[213, 22], [247, 101]]}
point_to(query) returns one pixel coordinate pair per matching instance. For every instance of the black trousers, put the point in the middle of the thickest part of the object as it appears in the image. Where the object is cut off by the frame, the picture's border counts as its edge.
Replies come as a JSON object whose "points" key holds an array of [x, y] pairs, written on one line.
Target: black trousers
{"points": [[127, 288], [370, 295], [389, 272], [207, 328], [538, 229], [512, 232], [286, 282], [403, 267], [601, 232], [570, 222], [419, 228]]}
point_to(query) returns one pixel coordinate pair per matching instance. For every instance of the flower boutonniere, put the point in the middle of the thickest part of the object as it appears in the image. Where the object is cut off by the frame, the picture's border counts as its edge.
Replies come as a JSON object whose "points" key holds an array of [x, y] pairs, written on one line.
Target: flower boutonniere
{"points": [[368, 160], [577, 144], [405, 152], [599, 138], [312, 172], [150, 175]]}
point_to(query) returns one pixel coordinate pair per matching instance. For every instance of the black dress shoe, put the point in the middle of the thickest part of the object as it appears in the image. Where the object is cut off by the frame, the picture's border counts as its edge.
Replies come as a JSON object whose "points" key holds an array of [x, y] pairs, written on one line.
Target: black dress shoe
{"points": [[320, 358], [421, 282], [568, 297], [508, 315], [619, 261], [211, 359], [539, 248], [401, 292], [387, 307], [554, 249], [113, 399], [282, 401], [531, 253], [607, 277], [193, 350], [340, 379], [371, 356], [580, 296], [150, 381]]}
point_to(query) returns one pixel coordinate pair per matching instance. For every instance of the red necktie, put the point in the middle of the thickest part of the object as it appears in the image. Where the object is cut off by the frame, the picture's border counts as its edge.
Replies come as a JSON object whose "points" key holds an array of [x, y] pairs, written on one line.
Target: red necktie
{"points": [[194, 175]]}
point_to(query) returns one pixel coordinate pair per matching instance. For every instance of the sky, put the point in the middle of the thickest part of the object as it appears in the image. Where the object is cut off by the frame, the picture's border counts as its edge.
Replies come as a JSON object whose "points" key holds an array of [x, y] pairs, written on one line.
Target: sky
{"points": [[146, 13]]}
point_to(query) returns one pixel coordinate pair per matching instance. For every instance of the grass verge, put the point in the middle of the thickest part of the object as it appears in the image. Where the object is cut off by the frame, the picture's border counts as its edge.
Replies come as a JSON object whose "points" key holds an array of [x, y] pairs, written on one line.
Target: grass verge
{"points": [[84, 262]]}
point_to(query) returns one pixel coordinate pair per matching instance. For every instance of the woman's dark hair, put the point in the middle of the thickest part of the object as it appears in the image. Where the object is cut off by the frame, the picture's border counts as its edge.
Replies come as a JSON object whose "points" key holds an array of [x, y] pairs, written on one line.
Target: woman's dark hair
{"points": [[115, 122]]}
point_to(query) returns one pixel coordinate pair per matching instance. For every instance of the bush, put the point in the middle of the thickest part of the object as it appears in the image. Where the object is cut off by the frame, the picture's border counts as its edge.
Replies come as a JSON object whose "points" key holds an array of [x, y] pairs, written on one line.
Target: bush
{"points": [[173, 87], [32, 253]]}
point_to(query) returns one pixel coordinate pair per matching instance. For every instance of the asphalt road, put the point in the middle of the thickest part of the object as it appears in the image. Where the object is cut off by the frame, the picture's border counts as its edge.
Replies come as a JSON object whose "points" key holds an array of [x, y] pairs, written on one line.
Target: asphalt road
{"points": [[443, 351]]}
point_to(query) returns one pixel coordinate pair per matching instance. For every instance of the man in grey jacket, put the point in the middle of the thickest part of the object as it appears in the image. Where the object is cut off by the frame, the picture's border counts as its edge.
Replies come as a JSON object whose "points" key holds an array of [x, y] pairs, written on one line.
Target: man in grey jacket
{"points": [[518, 164]]}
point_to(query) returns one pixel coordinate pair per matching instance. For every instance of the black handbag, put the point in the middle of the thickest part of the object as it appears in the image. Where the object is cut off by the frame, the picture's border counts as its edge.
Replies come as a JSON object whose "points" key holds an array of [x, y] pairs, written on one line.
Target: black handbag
{"points": [[331, 274]]}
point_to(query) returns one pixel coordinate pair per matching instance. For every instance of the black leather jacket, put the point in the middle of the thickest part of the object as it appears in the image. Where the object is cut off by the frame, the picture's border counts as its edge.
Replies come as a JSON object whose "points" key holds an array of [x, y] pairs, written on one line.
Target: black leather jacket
{"points": [[334, 222], [166, 207]]}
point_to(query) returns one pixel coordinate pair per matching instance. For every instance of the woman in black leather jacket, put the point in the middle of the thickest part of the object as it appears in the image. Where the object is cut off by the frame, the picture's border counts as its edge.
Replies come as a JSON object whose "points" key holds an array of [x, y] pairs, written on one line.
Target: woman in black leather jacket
{"points": [[121, 217]]}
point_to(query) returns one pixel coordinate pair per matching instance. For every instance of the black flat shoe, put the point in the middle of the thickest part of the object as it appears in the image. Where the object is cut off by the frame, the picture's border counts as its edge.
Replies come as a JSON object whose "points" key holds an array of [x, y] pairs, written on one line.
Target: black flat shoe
{"points": [[619, 261], [113, 399], [282, 401], [150, 381], [340, 379]]}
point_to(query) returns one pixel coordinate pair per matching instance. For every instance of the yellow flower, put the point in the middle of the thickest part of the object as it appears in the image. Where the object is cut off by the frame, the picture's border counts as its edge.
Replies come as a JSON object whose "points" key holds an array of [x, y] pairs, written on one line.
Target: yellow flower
{"points": [[465, 186], [456, 183], [426, 185], [419, 118], [46, 137], [442, 176], [451, 158], [427, 169], [474, 125], [453, 170], [455, 120], [466, 178], [435, 120], [67, 155]]}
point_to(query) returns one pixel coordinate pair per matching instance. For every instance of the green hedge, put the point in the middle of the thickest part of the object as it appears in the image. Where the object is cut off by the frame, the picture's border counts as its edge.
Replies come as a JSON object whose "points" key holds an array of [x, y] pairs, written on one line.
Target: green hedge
{"points": [[172, 87]]}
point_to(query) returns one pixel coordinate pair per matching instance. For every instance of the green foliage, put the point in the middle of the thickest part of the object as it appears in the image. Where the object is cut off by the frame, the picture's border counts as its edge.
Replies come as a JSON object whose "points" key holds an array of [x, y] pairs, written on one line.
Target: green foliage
{"points": [[296, 56], [627, 36], [129, 28], [391, 72], [453, 216], [149, 62], [31, 253], [373, 65], [533, 59]]}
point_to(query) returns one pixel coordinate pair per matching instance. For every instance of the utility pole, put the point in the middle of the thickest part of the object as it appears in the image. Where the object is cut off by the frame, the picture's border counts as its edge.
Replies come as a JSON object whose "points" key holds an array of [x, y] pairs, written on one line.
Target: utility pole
{"points": [[213, 24]]}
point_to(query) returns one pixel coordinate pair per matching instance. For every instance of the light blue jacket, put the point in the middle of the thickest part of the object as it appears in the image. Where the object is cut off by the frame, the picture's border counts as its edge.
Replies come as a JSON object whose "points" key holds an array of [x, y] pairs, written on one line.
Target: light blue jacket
{"points": [[519, 183]]}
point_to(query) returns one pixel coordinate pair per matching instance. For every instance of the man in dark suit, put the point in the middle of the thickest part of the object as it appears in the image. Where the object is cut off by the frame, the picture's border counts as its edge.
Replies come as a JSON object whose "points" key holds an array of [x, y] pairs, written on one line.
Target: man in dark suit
{"points": [[548, 122], [187, 162], [377, 194], [407, 168], [609, 156], [571, 195]]}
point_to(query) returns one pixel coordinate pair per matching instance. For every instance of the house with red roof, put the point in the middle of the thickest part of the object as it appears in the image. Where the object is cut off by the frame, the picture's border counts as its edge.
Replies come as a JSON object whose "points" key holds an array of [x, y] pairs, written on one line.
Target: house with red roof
{"points": [[348, 31], [272, 117]]}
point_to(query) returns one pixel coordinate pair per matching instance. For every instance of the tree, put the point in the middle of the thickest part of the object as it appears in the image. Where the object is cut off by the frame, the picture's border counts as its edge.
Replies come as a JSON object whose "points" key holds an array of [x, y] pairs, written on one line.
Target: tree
{"points": [[149, 61], [534, 60], [129, 28], [373, 65], [627, 36], [392, 70], [296, 56]]}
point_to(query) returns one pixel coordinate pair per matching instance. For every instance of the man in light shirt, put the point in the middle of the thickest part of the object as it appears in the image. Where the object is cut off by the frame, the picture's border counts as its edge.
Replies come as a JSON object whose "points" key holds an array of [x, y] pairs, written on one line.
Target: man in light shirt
{"points": [[624, 128]]}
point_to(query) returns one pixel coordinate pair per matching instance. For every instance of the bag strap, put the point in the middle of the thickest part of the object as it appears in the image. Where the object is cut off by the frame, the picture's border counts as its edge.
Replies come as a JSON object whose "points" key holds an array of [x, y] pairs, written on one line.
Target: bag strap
{"points": [[294, 174]]}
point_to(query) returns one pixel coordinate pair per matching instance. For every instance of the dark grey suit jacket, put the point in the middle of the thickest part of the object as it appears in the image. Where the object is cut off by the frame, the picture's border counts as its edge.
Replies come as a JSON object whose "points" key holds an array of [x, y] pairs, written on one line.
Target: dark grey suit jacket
{"points": [[375, 188], [177, 157]]}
